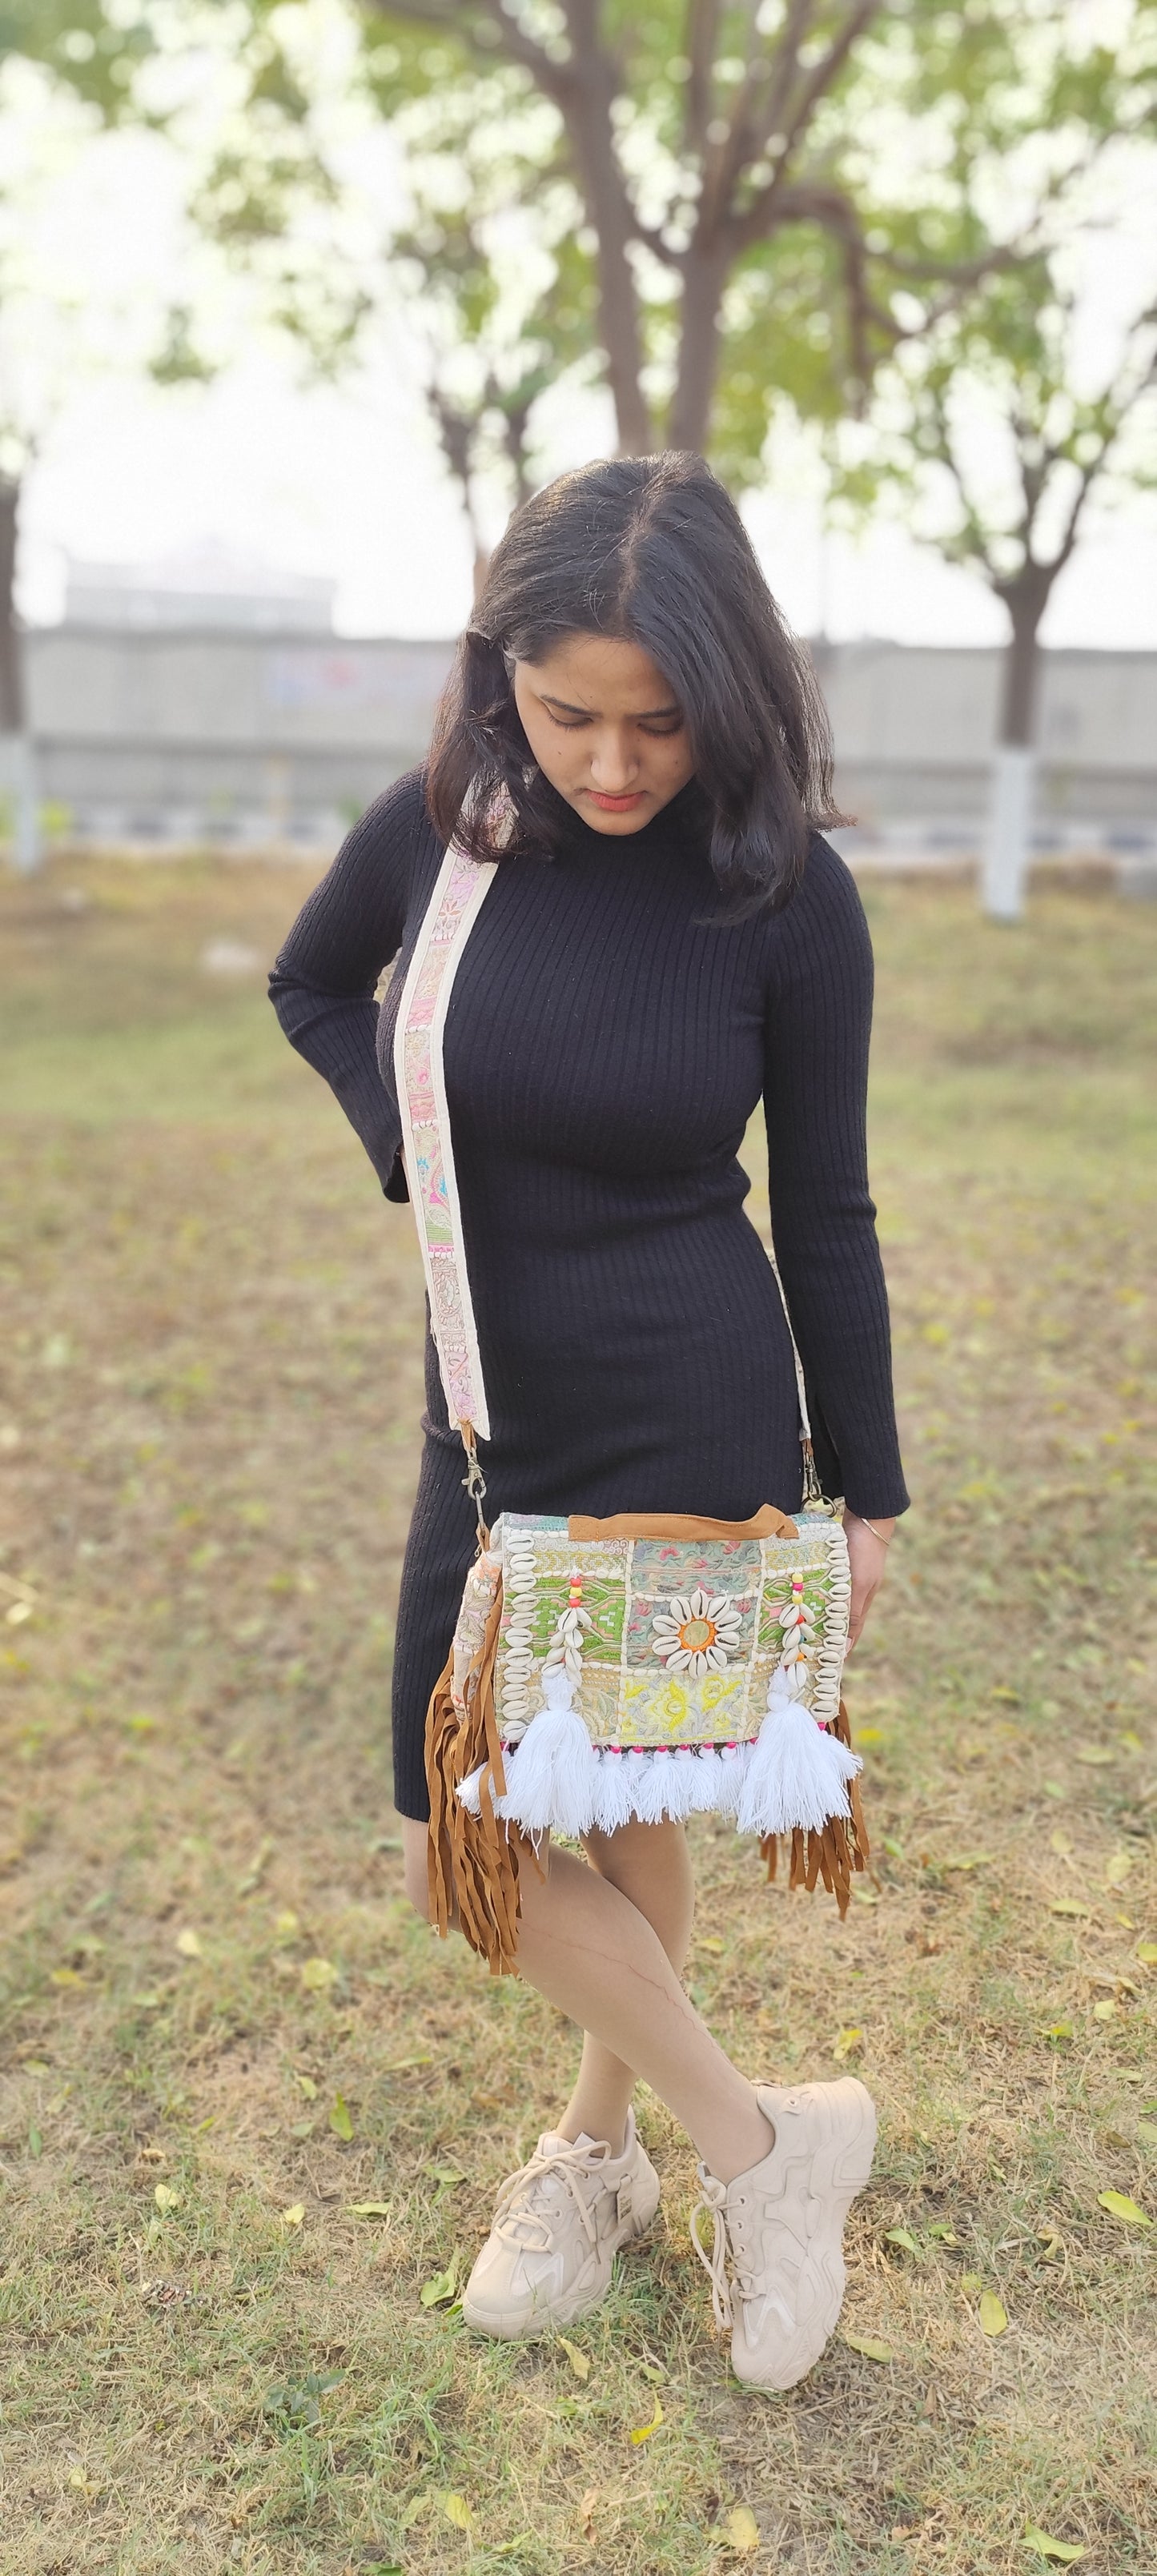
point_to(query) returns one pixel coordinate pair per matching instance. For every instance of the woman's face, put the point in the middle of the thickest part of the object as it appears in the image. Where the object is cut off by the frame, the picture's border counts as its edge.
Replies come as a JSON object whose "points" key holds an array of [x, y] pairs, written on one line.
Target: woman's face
{"points": [[605, 729]]}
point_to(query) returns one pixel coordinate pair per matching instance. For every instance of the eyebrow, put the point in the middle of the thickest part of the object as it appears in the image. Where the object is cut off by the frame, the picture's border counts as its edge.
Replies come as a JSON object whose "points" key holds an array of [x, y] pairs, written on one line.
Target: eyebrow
{"points": [[647, 715]]}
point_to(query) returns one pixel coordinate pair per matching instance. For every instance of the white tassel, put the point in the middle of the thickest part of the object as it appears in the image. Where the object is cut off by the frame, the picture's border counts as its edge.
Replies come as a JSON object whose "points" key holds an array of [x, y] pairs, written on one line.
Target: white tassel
{"points": [[552, 1779], [795, 1773]]}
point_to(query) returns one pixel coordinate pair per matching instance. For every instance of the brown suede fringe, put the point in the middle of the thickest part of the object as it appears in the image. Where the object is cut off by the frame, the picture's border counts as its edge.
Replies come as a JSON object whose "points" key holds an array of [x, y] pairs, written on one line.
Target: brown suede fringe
{"points": [[472, 1862], [833, 1855]]}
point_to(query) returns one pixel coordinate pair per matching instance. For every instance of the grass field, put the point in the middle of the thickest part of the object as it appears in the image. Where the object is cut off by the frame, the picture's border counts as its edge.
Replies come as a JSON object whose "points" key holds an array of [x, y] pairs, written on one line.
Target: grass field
{"points": [[250, 2112]]}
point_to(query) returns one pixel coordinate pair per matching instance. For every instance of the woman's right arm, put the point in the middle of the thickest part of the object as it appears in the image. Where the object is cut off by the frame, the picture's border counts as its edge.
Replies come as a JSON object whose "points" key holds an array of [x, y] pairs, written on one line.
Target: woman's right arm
{"points": [[325, 979]]}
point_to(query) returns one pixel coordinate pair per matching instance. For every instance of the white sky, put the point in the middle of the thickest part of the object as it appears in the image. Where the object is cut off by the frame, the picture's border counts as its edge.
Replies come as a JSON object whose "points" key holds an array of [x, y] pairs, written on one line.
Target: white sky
{"points": [[348, 483]]}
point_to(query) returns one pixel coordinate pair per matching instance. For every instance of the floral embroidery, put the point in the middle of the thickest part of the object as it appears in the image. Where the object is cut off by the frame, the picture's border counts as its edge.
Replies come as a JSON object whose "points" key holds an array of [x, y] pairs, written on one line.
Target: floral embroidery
{"points": [[697, 1633]]}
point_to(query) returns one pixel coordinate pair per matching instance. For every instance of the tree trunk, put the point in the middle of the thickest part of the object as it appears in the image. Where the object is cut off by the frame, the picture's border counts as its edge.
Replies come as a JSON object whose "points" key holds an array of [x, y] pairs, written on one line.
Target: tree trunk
{"points": [[587, 113], [17, 752], [704, 281], [1011, 795]]}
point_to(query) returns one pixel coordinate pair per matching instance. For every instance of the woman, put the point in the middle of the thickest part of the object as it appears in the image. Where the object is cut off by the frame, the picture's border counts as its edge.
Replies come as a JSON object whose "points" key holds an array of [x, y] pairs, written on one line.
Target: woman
{"points": [[632, 734]]}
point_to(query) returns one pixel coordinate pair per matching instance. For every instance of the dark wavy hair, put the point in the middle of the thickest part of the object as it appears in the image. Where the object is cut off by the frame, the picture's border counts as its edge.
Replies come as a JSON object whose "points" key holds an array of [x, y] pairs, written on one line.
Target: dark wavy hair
{"points": [[653, 550]]}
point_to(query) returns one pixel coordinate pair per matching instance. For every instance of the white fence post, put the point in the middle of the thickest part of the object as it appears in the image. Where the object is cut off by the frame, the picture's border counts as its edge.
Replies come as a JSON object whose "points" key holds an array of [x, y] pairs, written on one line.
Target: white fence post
{"points": [[1006, 851]]}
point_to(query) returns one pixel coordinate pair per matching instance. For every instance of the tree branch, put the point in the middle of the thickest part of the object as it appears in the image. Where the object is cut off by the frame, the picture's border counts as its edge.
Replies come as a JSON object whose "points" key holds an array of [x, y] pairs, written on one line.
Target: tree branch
{"points": [[699, 47]]}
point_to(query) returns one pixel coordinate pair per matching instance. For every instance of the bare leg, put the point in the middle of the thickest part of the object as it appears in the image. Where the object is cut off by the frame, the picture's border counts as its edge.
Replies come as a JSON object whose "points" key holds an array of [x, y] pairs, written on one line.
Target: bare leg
{"points": [[651, 1866], [591, 1952]]}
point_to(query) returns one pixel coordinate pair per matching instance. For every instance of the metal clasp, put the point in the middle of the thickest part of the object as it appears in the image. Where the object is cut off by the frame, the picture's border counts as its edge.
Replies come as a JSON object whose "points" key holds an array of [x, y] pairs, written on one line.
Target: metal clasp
{"points": [[474, 1480]]}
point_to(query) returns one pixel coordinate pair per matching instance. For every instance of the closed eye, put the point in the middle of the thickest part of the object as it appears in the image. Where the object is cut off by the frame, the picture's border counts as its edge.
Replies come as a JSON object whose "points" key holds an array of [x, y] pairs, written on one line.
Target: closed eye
{"points": [[660, 727]]}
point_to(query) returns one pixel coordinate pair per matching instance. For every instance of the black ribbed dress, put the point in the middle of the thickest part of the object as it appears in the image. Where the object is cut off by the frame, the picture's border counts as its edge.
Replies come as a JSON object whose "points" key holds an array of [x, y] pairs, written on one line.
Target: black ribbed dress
{"points": [[609, 1035]]}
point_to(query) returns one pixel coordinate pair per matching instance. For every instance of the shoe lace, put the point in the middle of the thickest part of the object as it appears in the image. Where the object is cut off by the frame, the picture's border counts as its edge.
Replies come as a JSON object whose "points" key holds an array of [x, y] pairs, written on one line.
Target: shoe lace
{"points": [[516, 2213], [713, 2205]]}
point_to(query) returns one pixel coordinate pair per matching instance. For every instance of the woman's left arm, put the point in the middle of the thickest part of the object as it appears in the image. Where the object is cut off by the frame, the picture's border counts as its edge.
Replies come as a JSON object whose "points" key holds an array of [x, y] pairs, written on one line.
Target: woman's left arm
{"points": [[819, 1016]]}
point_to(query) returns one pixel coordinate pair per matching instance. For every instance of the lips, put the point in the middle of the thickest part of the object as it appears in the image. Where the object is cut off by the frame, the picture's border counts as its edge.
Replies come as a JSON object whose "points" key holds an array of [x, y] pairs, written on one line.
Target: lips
{"points": [[616, 804]]}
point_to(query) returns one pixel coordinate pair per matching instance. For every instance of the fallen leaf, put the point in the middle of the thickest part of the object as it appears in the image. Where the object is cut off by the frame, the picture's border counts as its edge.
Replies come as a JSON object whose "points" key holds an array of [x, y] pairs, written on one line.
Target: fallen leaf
{"points": [[944, 2234], [1120, 2206], [970, 2283], [436, 2292], [368, 2208], [1060, 1841], [458, 2512], [19, 1612], [741, 2530], [1096, 1755], [1104, 2012], [292, 2217], [76, 2477], [643, 2432], [993, 2314], [870, 2345], [709, 1941], [189, 1945], [1147, 2132], [587, 2510], [165, 2197], [318, 1975], [286, 1923], [1056, 2030], [1068, 1905], [974, 1860], [66, 1976], [447, 2175], [1117, 1869], [1051, 2244], [35, 2141], [1147, 1953], [580, 2362], [1066, 2552], [900, 2236], [308, 2087], [340, 2120], [847, 2043]]}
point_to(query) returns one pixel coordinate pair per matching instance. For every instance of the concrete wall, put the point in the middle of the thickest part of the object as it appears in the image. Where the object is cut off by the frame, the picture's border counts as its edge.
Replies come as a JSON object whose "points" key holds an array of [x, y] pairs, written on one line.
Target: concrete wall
{"points": [[169, 735]]}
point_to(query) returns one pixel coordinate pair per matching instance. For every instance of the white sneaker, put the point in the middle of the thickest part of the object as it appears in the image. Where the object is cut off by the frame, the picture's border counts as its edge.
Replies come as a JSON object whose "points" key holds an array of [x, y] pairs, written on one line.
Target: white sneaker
{"points": [[782, 2225], [558, 2226]]}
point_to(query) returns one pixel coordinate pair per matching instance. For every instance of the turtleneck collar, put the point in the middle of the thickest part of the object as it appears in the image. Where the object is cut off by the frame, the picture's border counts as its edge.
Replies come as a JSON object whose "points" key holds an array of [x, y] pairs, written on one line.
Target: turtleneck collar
{"points": [[685, 821]]}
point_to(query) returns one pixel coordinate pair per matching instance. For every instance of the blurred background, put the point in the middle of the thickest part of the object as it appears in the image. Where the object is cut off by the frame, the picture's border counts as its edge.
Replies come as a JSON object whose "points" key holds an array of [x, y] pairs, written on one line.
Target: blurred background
{"points": [[296, 301]]}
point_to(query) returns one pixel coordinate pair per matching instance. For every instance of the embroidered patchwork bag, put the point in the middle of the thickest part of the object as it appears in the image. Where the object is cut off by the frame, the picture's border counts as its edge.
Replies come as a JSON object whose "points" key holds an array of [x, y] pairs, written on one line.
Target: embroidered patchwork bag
{"points": [[644, 1666]]}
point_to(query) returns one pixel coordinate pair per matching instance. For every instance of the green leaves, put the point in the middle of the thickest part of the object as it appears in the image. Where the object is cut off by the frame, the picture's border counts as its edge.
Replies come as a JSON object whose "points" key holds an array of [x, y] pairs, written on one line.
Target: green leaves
{"points": [[1119, 2205], [295, 2404], [340, 2119], [439, 2291], [872, 2347]]}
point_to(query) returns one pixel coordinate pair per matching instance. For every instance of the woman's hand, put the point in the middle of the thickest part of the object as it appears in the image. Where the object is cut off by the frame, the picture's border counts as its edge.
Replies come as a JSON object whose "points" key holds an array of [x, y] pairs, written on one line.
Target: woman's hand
{"points": [[867, 1556]]}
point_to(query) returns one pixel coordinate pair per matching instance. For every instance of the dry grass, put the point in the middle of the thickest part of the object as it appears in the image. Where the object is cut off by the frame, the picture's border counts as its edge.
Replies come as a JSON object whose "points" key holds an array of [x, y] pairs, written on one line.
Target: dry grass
{"points": [[208, 1425]]}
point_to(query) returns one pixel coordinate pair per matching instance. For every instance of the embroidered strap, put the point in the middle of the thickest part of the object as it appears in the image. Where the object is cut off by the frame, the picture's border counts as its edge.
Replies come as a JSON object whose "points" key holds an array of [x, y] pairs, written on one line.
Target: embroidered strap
{"points": [[459, 893]]}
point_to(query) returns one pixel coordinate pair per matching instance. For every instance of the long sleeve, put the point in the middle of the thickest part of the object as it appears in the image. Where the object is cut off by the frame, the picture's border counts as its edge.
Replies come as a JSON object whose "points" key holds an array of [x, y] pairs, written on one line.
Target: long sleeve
{"points": [[823, 1220], [324, 982]]}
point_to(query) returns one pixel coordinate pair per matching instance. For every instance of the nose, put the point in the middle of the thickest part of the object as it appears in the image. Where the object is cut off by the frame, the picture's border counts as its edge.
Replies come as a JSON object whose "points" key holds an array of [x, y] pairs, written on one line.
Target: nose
{"points": [[614, 764]]}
